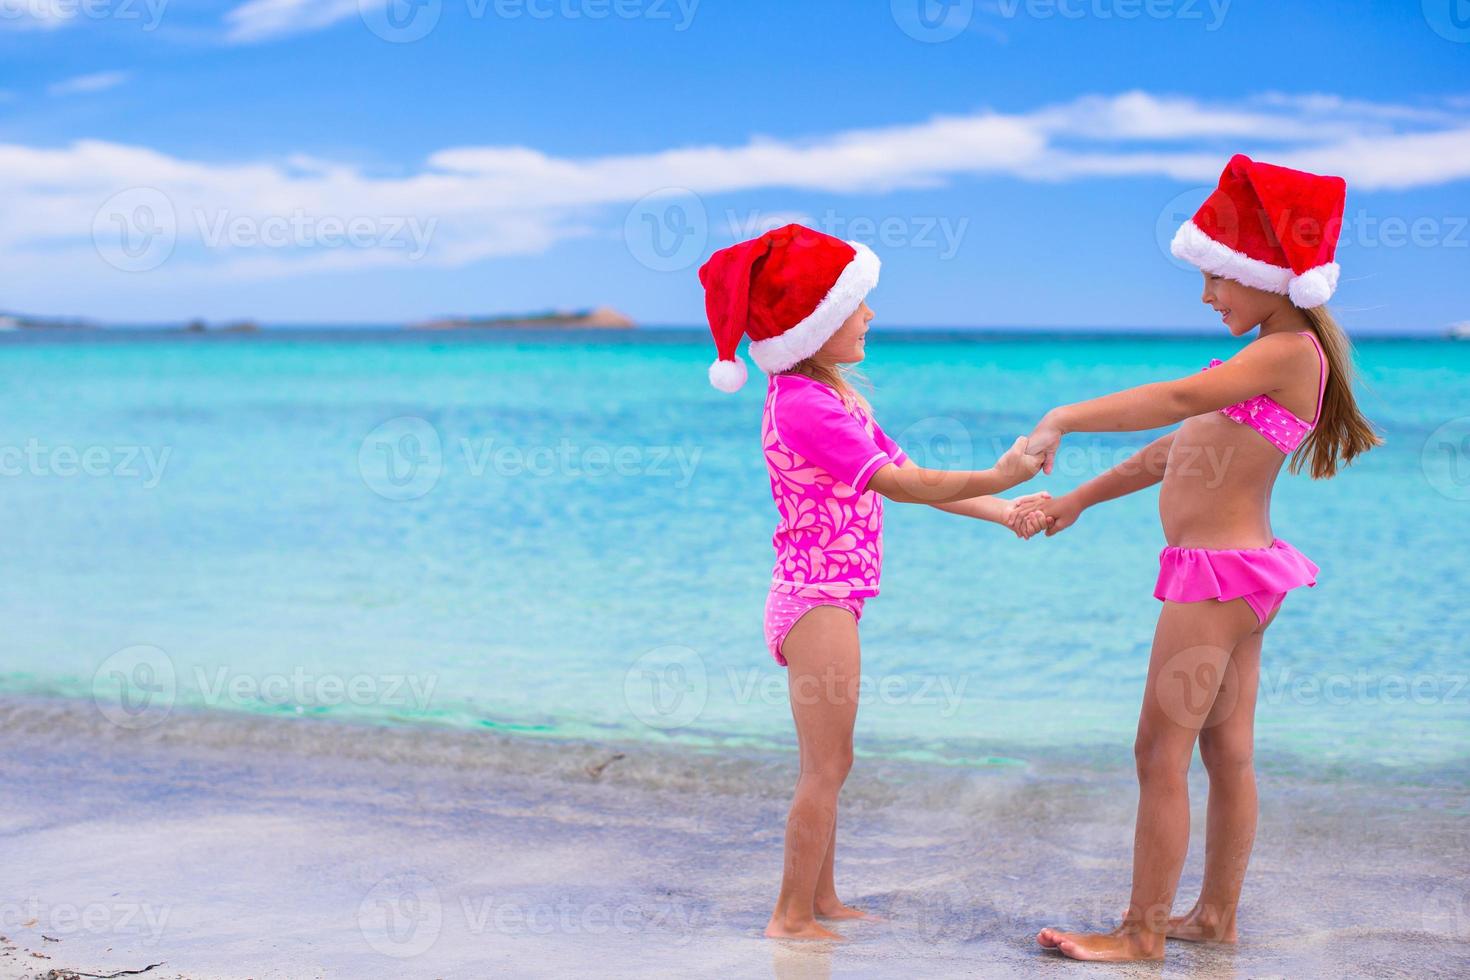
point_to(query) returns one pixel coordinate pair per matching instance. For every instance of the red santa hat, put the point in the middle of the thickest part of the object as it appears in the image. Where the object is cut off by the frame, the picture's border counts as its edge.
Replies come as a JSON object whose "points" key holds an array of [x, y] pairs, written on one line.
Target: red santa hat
{"points": [[1270, 228], [788, 291]]}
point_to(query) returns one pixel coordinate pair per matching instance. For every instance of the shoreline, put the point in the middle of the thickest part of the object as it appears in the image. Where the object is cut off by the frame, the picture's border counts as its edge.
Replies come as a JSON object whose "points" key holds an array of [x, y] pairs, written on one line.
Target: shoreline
{"points": [[238, 846], [730, 763]]}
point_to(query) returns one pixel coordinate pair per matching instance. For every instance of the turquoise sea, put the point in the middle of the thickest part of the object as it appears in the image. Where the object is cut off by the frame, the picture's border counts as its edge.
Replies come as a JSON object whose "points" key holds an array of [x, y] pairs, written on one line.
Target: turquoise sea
{"points": [[567, 536]]}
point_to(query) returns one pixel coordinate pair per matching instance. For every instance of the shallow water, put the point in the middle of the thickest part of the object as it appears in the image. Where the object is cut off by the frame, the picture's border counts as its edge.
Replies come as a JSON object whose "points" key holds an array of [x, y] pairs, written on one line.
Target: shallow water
{"points": [[568, 536]]}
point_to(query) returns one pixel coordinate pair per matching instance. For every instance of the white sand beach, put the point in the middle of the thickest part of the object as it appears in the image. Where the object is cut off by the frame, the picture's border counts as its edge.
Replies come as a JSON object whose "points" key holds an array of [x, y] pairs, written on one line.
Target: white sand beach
{"points": [[223, 845]]}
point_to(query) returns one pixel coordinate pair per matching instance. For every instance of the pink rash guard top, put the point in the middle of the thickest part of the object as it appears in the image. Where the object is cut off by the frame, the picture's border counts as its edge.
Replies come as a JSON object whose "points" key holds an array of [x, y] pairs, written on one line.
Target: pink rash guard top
{"points": [[820, 456]]}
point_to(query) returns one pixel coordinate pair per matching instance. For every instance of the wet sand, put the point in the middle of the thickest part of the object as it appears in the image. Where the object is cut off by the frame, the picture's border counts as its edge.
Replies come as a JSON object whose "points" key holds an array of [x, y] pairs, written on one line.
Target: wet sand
{"points": [[234, 846]]}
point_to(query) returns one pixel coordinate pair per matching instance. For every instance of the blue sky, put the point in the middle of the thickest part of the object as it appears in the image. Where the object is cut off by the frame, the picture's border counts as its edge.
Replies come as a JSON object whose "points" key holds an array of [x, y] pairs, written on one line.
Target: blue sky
{"points": [[1014, 162]]}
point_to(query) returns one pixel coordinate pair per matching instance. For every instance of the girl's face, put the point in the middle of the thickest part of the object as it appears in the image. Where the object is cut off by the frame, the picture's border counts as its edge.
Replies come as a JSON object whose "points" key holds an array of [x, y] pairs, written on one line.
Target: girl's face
{"points": [[846, 345], [1241, 307]]}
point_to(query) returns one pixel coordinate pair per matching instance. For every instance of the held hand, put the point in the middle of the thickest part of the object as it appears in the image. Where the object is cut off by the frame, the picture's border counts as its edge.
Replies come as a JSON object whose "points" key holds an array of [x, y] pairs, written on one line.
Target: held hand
{"points": [[1017, 465], [1060, 513], [1044, 441], [1023, 516]]}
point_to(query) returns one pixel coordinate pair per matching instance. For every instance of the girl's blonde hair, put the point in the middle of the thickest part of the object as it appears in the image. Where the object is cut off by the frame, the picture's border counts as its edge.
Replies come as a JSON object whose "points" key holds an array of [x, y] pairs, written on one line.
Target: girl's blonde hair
{"points": [[839, 377], [1342, 431]]}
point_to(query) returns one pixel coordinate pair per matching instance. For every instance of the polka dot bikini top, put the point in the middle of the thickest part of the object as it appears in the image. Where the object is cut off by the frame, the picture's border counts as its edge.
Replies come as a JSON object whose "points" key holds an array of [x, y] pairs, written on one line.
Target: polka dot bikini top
{"points": [[1281, 426]]}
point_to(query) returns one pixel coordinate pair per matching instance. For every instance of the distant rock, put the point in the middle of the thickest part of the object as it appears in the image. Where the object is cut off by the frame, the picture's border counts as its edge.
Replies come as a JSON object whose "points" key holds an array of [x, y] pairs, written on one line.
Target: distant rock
{"points": [[600, 318], [239, 326], [20, 321]]}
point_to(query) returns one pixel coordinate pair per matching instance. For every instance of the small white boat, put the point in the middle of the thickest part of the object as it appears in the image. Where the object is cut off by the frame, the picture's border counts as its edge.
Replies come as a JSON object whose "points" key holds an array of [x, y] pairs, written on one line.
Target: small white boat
{"points": [[1459, 331]]}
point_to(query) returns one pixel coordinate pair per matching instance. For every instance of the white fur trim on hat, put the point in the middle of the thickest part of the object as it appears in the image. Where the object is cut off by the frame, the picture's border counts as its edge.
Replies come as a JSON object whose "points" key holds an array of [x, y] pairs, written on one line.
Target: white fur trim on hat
{"points": [[776, 354], [1195, 247], [1315, 286], [728, 376]]}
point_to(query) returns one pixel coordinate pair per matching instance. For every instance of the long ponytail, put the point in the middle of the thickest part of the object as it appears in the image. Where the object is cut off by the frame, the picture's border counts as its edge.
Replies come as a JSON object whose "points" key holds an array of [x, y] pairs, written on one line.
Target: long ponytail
{"points": [[1342, 431]]}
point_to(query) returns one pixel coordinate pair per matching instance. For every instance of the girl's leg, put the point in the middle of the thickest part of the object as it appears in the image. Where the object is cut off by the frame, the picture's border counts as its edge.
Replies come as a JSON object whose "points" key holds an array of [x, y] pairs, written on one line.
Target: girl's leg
{"points": [[827, 904], [1192, 647], [1227, 748], [822, 656]]}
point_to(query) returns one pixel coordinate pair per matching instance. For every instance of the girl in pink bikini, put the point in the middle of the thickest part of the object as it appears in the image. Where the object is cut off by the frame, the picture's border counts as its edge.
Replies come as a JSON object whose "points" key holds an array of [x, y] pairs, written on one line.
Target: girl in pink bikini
{"points": [[1265, 242], [799, 296]]}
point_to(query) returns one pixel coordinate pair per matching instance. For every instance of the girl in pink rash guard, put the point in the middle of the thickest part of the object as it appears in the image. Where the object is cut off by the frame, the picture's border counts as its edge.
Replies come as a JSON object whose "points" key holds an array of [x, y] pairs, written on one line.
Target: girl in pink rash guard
{"points": [[799, 296]]}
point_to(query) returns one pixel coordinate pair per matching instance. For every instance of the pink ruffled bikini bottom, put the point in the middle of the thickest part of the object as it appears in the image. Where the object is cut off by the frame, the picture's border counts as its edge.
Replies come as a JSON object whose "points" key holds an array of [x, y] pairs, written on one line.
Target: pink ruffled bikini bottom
{"points": [[1260, 576]]}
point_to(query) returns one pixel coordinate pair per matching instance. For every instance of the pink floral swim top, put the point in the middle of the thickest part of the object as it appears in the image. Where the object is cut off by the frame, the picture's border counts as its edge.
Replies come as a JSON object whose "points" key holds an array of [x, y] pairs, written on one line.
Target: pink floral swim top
{"points": [[829, 541], [1281, 427]]}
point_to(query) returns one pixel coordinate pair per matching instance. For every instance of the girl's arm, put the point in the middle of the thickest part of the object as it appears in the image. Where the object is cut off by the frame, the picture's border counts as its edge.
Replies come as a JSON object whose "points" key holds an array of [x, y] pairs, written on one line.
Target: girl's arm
{"points": [[996, 510], [1262, 367], [1138, 472], [987, 508], [919, 485]]}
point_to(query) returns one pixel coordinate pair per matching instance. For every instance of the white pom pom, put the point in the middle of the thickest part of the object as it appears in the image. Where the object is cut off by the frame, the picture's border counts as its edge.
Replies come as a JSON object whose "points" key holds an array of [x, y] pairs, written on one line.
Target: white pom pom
{"points": [[727, 375], [1315, 286]]}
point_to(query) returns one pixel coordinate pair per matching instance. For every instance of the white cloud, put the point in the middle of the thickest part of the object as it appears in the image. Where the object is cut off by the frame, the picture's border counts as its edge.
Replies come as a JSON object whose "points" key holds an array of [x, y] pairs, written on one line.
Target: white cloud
{"points": [[1318, 104], [1143, 116], [490, 201], [1396, 163], [99, 81], [262, 20]]}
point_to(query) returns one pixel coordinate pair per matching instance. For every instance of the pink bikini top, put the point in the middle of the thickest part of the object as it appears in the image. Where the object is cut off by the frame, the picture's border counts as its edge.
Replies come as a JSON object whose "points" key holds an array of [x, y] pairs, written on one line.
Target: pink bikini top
{"points": [[1281, 427]]}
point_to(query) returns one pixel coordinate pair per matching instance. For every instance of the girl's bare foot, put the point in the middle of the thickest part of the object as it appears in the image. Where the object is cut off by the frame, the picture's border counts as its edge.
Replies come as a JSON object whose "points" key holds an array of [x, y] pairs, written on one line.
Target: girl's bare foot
{"points": [[1200, 926], [834, 909], [1119, 945], [810, 929]]}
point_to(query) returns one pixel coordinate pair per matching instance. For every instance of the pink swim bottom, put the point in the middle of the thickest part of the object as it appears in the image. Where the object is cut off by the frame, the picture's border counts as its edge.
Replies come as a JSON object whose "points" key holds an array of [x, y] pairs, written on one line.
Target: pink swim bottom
{"points": [[1260, 576], [783, 610]]}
